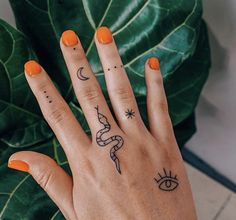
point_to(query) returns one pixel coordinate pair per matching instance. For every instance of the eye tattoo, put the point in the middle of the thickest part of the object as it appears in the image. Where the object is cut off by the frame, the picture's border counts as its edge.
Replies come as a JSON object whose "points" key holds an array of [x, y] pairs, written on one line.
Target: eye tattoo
{"points": [[80, 74], [167, 182], [47, 96], [129, 113], [116, 139]]}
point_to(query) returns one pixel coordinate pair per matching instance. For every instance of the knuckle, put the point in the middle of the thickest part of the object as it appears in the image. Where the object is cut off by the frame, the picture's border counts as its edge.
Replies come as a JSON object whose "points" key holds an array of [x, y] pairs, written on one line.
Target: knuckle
{"points": [[163, 106], [122, 93], [45, 179], [159, 80], [46, 176], [58, 115], [91, 93]]}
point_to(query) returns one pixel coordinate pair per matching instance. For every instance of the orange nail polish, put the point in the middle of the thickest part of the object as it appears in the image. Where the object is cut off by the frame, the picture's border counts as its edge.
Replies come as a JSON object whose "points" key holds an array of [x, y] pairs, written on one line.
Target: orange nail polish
{"points": [[32, 68], [18, 165], [104, 35], [69, 38], [154, 63]]}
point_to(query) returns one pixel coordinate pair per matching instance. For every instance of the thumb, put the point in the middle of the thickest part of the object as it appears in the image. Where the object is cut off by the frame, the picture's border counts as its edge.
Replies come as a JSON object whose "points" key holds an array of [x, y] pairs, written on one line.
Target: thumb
{"points": [[49, 175]]}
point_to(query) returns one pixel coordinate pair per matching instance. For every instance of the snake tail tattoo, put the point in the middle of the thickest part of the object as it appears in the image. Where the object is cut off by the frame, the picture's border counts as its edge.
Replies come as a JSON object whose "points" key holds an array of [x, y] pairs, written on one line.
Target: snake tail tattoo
{"points": [[116, 140]]}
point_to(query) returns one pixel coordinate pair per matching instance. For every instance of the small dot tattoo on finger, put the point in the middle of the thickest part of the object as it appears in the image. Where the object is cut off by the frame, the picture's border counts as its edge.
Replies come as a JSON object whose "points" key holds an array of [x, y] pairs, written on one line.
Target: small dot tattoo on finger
{"points": [[47, 96], [114, 67]]}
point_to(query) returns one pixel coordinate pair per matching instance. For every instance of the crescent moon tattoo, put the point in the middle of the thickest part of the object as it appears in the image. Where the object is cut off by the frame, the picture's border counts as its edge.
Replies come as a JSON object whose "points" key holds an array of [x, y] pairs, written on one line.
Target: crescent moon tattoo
{"points": [[80, 74]]}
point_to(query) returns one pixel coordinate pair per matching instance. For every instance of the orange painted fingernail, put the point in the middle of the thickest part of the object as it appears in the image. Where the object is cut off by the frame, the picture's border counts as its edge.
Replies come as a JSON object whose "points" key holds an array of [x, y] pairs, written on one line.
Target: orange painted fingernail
{"points": [[32, 68], [104, 35], [154, 63], [69, 38], [18, 165]]}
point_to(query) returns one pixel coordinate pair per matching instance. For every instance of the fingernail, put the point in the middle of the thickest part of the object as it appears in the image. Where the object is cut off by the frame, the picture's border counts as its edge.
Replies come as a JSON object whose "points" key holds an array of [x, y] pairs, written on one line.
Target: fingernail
{"points": [[69, 38], [18, 165], [104, 35], [32, 68], [154, 63]]}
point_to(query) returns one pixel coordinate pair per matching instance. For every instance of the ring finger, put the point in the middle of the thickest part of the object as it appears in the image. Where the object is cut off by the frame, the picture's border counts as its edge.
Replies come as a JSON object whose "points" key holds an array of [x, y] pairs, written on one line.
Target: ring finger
{"points": [[118, 85]]}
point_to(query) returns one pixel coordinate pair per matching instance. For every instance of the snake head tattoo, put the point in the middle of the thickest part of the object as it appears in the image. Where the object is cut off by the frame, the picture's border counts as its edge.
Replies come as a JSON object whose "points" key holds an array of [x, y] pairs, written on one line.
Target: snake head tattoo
{"points": [[116, 140]]}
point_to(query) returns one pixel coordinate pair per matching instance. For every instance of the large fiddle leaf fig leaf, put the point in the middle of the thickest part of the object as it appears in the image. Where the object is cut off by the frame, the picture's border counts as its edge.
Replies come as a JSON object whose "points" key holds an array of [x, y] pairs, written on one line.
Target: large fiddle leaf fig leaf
{"points": [[172, 30], [21, 123], [142, 28]]}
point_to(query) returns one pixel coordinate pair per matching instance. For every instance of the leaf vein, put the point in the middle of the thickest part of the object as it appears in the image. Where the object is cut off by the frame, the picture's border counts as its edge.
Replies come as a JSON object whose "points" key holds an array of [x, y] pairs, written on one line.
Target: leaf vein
{"points": [[12, 194], [132, 19], [35, 7], [88, 14]]}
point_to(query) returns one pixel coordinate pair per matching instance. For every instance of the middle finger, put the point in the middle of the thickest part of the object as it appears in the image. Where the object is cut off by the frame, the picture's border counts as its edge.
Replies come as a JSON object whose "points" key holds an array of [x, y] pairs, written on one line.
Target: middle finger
{"points": [[85, 84]]}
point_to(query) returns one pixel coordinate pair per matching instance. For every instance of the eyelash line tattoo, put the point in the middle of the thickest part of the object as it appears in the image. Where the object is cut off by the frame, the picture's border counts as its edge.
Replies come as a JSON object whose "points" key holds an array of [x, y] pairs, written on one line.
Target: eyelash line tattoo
{"points": [[167, 182], [115, 67], [129, 113], [103, 142], [80, 74], [47, 96]]}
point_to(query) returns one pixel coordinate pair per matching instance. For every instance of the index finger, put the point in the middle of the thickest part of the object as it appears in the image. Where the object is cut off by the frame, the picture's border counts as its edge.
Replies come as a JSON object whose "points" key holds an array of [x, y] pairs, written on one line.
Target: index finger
{"points": [[56, 111]]}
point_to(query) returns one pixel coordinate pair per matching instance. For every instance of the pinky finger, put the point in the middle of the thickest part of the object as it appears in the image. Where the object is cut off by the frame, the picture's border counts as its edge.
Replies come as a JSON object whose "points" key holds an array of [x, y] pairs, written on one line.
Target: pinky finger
{"points": [[157, 106]]}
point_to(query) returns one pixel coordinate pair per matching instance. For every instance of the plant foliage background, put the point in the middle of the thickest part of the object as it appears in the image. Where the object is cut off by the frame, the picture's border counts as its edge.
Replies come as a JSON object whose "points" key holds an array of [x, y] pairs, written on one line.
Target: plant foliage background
{"points": [[172, 30]]}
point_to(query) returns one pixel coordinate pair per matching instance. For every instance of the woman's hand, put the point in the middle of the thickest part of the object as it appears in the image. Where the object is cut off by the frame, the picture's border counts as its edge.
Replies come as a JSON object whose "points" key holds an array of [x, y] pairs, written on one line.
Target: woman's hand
{"points": [[124, 171]]}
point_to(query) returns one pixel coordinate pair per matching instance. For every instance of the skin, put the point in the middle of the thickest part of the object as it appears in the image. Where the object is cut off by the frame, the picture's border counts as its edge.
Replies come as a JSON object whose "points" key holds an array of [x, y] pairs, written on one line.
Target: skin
{"points": [[96, 190]]}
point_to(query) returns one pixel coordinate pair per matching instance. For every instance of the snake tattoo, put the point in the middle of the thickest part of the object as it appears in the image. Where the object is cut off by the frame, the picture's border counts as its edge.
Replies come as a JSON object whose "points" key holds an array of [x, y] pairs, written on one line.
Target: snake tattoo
{"points": [[118, 140]]}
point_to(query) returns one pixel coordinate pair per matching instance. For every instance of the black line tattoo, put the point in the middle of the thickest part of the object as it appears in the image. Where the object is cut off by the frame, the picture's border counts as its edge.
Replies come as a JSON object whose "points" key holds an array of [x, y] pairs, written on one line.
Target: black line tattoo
{"points": [[47, 96], [103, 142], [80, 74], [129, 113], [115, 67], [167, 182]]}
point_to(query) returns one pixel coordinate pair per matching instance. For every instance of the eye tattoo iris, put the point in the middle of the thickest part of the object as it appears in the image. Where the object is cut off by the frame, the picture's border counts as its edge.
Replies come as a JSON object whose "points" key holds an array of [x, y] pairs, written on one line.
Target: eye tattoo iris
{"points": [[167, 182]]}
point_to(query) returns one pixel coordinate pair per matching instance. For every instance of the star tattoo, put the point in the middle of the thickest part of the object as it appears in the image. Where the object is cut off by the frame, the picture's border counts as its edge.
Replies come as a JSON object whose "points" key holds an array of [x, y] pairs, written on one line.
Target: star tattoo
{"points": [[129, 113]]}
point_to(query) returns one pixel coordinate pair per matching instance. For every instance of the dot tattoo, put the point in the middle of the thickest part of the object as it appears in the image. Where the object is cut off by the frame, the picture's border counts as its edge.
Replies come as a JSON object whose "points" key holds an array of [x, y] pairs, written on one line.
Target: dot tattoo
{"points": [[167, 182], [47, 96], [115, 139], [129, 113], [114, 67], [80, 74]]}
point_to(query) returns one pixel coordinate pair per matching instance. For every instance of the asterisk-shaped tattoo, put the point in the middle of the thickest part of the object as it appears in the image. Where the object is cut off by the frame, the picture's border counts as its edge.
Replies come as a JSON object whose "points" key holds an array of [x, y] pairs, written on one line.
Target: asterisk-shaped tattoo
{"points": [[129, 113]]}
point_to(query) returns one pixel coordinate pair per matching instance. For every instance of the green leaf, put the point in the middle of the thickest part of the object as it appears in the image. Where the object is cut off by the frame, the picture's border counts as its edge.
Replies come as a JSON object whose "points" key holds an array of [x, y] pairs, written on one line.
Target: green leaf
{"points": [[172, 30], [19, 111], [141, 28]]}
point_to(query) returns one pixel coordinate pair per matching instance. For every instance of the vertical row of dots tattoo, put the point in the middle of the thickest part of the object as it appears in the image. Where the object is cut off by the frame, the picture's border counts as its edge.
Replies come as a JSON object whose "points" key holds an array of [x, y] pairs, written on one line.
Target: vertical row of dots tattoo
{"points": [[47, 96]]}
